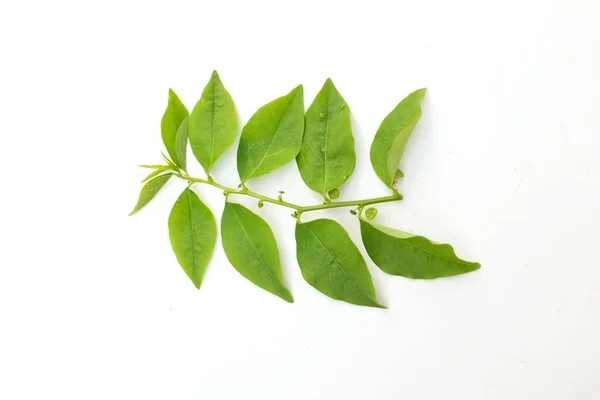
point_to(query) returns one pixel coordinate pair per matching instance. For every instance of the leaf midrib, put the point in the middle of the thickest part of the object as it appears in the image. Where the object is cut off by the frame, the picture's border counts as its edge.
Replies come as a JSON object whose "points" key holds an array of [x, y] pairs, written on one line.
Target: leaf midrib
{"points": [[326, 147], [212, 128], [192, 229]]}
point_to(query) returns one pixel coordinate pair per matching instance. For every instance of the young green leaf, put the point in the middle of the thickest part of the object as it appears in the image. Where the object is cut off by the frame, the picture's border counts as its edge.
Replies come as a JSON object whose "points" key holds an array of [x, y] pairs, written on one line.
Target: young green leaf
{"points": [[326, 159], [332, 264], [213, 123], [156, 172], [170, 163], [416, 257], [392, 136], [251, 248], [272, 137], [174, 115], [150, 190], [193, 234], [155, 166], [181, 140]]}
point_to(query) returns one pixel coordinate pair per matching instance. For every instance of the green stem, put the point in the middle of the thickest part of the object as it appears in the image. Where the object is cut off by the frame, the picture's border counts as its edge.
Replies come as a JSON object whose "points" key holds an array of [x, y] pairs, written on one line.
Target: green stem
{"points": [[352, 203], [244, 191]]}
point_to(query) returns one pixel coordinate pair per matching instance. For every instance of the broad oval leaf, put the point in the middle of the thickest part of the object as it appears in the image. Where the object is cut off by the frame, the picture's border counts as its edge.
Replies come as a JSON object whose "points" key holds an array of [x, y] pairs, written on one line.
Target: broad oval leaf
{"points": [[416, 257], [149, 190], [251, 248], [326, 159], [174, 115], [272, 137], [393, 134], [193, 234], [213, 123], [331, 263]]}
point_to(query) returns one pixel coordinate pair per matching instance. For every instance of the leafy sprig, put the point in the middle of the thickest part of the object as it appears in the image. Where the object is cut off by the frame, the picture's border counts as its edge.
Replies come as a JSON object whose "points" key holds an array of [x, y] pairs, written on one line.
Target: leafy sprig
{"points": [[321, 141]]}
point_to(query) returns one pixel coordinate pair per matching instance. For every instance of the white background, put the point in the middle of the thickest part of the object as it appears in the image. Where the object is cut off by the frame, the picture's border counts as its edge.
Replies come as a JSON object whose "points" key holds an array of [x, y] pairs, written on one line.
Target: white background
{"points": [[504, 165]]}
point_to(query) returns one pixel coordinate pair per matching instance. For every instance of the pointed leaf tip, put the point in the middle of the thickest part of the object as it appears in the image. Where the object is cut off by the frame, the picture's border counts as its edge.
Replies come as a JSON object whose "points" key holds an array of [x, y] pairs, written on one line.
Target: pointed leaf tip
{"points": [[288, 297], [329, 84]]}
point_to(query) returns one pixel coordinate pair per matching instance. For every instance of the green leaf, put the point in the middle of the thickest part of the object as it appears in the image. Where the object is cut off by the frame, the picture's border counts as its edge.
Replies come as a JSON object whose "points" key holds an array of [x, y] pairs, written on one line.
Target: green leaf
{"points": [[326, 159], [174, 115], [155, 166], [392, 136], [193, 234], [181, 140], [272, 137], [149, 191], [156, 172], [332, 264], [416, 257], [251, 248], [213, 123]]}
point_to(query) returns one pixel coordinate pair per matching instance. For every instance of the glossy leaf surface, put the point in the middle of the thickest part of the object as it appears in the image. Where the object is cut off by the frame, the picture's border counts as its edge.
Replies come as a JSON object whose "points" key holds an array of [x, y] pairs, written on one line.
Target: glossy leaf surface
{"points": [[332, 264], [174, 115], [193, 234], [251, 248], [213, 123], [416, 257], [149, 190], [393, 134], [272, 137], [326, 159]]}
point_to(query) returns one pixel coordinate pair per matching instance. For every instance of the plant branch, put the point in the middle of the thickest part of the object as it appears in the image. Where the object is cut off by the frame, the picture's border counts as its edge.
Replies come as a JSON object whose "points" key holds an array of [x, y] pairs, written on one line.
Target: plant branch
{"points": [[244, 191]]}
